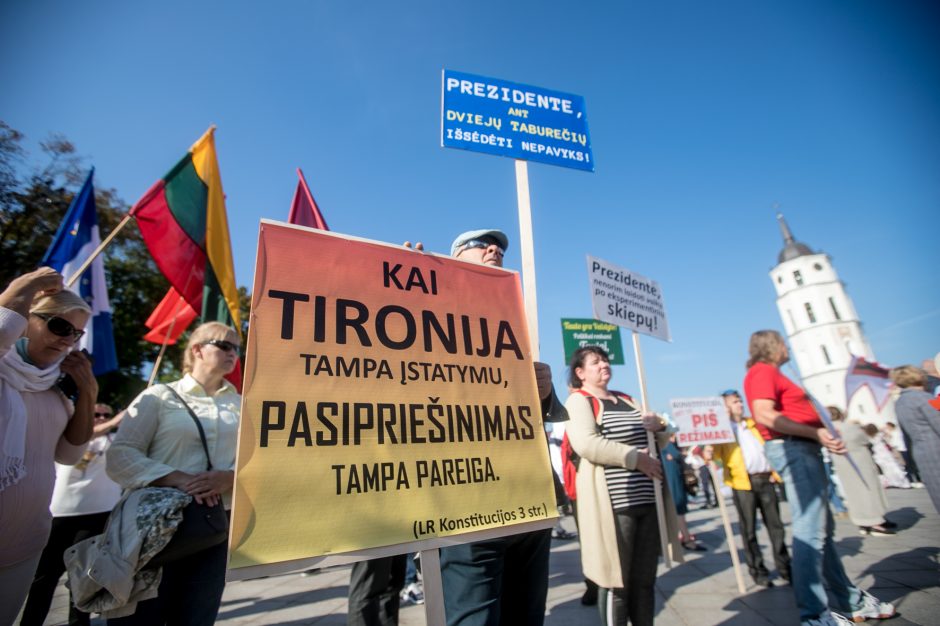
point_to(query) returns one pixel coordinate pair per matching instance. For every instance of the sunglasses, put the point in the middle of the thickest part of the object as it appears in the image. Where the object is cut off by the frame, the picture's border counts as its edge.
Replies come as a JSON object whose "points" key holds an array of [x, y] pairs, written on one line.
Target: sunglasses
{"points": [[60, 327], [104, 415], [221, 344], [483, 243]]}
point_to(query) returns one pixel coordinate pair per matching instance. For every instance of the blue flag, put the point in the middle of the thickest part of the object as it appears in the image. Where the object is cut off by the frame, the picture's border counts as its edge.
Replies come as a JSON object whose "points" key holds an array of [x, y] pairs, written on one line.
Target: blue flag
{"points": [[78, 236]]}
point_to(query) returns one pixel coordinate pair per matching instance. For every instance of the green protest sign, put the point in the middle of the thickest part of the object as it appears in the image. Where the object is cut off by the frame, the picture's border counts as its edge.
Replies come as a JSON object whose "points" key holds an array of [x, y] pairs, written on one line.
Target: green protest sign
{"points": [[587, 332]]}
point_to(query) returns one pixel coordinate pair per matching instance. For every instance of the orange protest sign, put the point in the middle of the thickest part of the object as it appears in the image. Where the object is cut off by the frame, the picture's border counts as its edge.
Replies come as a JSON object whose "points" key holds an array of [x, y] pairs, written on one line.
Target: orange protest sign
{"points": [[389, 398]]}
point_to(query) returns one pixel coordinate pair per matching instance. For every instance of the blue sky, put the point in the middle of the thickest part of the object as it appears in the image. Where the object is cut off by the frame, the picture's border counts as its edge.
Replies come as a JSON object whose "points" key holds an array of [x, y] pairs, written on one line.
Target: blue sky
{"points": [[702, 117]]}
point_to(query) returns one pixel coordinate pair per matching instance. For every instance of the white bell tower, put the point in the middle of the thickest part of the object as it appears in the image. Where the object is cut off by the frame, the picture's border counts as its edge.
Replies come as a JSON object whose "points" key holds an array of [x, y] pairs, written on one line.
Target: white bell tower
{"points": [[822, 327]]}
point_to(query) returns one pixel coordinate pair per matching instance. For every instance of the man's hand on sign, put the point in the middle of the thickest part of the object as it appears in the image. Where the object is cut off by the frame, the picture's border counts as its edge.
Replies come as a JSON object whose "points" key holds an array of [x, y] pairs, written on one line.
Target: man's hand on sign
{"points": [[653, 422], [836, 446], [648, 465], [418, 245], [543, 379]]}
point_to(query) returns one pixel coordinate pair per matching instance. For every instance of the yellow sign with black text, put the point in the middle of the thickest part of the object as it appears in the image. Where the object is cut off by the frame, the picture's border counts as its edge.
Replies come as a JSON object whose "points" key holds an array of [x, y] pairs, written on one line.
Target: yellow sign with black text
{"points": [[389, 398]]}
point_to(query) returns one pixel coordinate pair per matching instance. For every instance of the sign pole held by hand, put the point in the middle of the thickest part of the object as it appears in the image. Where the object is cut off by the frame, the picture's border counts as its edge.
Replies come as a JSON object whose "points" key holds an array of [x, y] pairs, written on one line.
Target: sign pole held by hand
{"points": [[704, 421], [653, 452], [622, 297], [527, 250], [732, 544]]}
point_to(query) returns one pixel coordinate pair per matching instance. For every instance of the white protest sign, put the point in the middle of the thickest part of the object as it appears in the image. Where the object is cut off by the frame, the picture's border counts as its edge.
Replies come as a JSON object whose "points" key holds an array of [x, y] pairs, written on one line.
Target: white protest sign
{"points": [[701, 421], [627, 299]]}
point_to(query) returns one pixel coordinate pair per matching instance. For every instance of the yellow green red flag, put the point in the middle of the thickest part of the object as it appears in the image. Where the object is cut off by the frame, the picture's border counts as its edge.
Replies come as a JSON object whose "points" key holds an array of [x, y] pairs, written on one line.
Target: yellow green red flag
{"points": [[183, 222]]}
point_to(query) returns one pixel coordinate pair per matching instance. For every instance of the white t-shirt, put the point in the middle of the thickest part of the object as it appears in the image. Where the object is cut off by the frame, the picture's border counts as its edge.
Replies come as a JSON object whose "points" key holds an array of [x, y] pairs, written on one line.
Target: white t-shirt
{"points": [[693, 460], [755, 461], [84, 488]]}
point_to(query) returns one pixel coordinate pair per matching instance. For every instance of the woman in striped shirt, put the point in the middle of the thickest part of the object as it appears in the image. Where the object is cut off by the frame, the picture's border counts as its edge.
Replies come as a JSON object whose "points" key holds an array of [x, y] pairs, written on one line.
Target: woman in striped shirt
{"points": [[616, 501]]}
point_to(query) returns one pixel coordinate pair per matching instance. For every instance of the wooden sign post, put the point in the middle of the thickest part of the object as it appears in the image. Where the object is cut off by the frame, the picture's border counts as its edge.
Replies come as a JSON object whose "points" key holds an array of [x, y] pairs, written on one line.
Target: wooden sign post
{"points": [[627, 299]]}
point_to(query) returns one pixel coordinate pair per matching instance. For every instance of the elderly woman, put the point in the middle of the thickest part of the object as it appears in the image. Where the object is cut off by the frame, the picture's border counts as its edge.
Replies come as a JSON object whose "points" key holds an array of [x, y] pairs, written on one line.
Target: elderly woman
{"points": [[864, 493], [921, 422], [159, 445], [39, 325], [616, 497]]}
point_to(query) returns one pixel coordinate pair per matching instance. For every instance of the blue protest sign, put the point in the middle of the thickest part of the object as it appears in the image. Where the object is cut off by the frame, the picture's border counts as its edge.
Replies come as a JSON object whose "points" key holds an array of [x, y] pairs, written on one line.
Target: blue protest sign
{"points": [[512, 120]]}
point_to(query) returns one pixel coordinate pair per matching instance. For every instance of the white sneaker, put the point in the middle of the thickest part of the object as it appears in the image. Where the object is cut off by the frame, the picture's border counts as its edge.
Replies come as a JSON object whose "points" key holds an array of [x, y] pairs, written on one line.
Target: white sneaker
{"points": [[412, 594], [827, 619], [873, 608]]}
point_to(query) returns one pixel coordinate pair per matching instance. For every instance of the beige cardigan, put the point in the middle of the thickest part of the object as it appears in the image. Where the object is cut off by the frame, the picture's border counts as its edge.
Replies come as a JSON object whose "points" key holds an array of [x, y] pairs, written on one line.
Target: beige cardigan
{"points": [[600, 558]]}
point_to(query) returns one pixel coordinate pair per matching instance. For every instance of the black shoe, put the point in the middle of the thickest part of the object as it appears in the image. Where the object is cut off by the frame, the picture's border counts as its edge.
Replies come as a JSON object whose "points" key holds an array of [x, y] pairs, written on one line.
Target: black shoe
{"points": [[590, 597], [561, 533], [889, 524], [763, 581], [878, 531]]}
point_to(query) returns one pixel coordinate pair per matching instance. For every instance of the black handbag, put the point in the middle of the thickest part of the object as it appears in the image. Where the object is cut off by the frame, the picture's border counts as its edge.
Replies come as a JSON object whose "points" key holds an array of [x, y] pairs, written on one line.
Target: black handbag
{"points": [[689, 479], [203, 526]]}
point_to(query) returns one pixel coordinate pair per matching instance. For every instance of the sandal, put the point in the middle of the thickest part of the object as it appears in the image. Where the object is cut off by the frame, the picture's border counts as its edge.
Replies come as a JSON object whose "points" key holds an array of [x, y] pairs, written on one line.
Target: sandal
{"points": [[693, 545]]}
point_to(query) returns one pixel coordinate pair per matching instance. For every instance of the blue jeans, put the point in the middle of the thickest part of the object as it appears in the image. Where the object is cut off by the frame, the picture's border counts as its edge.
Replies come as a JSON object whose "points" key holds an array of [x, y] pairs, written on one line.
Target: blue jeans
{"points": [[834, 499], [799, 462], [190, 592], [498, 581]]}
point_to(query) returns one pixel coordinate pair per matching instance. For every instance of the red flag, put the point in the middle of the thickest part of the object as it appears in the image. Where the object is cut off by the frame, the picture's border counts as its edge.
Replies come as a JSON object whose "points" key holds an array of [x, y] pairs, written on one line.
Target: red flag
{"points": [[303, 208], [171, 317], [862, 373]]}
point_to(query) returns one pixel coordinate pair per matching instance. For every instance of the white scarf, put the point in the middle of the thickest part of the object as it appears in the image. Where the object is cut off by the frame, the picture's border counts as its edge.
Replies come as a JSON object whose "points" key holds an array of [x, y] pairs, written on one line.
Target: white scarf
{"points": [[18, 376]]}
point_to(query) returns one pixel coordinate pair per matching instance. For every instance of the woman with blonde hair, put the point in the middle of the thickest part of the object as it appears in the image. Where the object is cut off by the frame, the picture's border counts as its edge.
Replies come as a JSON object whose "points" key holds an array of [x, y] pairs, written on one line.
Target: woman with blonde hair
{"points": [[159, 445], [921, 422], [40, 323]]}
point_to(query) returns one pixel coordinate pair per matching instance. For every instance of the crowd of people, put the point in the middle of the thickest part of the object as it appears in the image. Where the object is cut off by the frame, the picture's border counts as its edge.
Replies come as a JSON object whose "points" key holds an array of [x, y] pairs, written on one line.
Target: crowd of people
{"points": [[73, 472]]}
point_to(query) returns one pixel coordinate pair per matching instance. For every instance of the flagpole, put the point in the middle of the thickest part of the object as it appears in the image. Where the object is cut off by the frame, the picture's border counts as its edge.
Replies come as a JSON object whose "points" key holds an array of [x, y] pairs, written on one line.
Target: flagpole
{"points": [[166, 340], [156, 364], [104, 244]]}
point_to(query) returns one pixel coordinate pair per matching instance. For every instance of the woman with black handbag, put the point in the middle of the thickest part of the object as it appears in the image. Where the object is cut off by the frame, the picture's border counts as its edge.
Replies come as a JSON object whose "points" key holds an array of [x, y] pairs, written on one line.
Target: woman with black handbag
{"points": [[159, 445]]}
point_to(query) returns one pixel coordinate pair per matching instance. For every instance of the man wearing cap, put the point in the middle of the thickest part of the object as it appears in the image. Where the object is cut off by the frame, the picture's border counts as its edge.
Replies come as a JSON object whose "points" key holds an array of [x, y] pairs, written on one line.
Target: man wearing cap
{"points": [[504, 580], [748, 473]]}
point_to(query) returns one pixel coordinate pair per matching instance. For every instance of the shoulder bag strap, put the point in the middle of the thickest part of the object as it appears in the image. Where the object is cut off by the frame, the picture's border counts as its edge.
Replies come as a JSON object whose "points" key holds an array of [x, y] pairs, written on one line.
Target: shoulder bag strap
{"points": [[595, 405], [202, 433]]}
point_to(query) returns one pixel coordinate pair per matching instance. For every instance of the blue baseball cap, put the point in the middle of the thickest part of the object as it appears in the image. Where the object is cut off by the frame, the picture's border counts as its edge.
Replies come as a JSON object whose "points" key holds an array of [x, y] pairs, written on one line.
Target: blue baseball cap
{"points": [[463, 238]]}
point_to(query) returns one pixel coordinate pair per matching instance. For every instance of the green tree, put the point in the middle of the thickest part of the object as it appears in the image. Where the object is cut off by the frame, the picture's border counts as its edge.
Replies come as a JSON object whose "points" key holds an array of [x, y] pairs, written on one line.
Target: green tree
{"points": [[33, 202]]}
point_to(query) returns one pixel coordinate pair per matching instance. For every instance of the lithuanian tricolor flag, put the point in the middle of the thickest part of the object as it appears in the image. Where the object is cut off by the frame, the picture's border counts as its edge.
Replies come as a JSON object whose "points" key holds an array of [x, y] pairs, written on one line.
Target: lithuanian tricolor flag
{"points": [[182, 219]]}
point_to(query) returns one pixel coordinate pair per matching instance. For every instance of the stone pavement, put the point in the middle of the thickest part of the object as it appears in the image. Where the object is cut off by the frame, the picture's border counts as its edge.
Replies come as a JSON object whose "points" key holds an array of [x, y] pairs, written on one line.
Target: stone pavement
{"points": [[903, 569]]}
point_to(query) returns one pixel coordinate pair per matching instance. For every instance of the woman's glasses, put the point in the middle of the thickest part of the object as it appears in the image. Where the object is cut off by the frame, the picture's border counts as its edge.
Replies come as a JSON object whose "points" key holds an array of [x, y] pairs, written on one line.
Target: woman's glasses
{"points": [[221, 344], [60, 327]]}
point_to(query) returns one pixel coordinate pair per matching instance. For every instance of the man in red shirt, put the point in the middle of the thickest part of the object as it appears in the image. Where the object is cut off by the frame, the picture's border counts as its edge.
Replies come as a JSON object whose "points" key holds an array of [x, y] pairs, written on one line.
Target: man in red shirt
{"points": [[795, 436]]}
